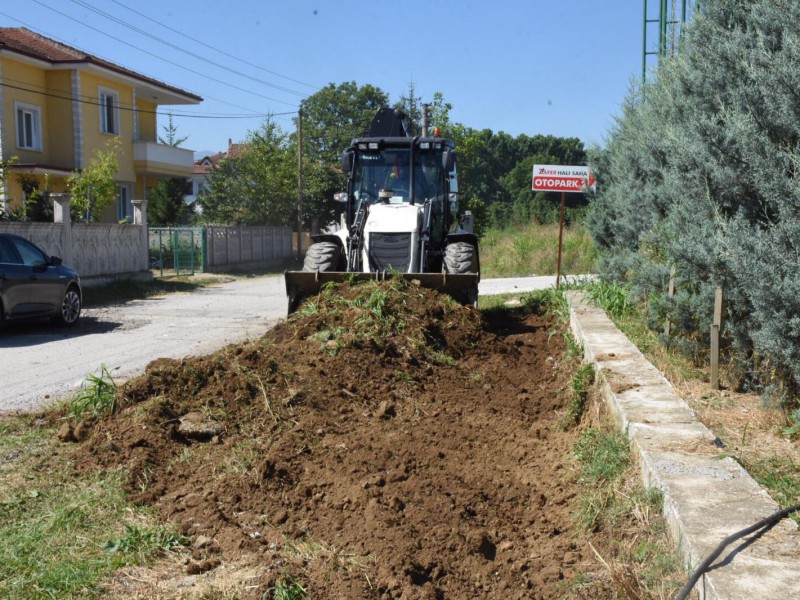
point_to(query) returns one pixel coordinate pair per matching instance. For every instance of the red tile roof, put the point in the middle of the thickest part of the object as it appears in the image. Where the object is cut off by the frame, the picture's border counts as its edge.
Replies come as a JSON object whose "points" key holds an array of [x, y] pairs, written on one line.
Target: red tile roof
{"points": [[28, 43]]}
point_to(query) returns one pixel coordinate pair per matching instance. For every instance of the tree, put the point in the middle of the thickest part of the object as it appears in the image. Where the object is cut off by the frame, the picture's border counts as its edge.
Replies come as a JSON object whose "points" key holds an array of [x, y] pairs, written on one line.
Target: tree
{"points": [[171, 134], [332, 117], [699, 175], [256, 187], [94, 188], [166, 203]]}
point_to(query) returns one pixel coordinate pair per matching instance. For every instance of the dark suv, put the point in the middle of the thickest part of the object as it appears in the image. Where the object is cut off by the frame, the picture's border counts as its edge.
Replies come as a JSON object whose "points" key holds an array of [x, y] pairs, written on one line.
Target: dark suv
{"points": [[34, 285]]}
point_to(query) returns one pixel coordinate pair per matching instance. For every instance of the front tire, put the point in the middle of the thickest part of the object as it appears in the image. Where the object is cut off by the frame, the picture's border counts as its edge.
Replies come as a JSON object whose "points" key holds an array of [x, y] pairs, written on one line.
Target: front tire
{"points": [[323, 256], [460, 258], [70, 307]]}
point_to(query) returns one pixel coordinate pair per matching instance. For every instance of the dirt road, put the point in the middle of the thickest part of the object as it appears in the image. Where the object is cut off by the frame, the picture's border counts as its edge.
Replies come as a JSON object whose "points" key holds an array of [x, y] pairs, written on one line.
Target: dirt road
{"points": [[40, 363]]}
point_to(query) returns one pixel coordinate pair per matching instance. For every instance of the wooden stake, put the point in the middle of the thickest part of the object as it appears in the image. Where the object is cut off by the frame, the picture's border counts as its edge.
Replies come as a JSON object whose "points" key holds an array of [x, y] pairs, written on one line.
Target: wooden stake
{"points": [[715, 328]]}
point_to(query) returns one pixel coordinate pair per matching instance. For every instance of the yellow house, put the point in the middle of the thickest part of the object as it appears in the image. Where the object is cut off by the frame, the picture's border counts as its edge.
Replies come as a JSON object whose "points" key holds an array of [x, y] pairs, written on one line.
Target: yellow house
{"points": [[60, 105]]}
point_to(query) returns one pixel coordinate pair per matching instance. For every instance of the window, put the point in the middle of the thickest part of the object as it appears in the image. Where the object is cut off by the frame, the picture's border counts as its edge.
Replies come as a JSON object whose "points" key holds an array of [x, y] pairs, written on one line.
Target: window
{"points": [[109, 111], [31, 255], [29, 126], [124, 206]]}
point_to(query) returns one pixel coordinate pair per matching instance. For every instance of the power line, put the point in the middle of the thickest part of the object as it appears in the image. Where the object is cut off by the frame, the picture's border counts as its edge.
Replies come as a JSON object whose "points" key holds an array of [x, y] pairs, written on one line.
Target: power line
{"points": [[210, 47], [56, 38], [122, 106], [169, 44], [116, 39]]}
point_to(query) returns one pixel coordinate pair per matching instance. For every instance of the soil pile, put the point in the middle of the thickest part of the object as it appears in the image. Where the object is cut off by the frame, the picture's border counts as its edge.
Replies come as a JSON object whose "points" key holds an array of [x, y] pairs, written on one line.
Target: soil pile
{"points": [[385, 442]]}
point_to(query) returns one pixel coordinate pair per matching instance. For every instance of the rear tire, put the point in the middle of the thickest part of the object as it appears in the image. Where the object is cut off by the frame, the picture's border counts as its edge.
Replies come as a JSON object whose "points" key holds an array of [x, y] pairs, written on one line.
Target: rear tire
{"points": [[459, 258], [323, 256]]}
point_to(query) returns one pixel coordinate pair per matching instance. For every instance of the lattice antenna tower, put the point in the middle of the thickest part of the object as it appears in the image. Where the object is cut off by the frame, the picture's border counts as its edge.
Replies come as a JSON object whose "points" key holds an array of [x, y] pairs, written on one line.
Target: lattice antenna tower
{"points": [[663, 25]]}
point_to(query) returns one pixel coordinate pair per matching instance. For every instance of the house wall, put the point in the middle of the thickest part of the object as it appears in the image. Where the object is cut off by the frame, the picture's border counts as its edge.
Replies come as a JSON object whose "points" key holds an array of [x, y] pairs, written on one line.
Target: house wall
{"points": [[94, 138], [147, 121], [59, 134]]}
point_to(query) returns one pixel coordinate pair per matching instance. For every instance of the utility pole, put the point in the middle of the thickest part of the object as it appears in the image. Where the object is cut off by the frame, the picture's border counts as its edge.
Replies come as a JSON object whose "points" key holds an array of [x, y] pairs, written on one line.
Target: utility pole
{"points": [[425, 108], [299, 184]]}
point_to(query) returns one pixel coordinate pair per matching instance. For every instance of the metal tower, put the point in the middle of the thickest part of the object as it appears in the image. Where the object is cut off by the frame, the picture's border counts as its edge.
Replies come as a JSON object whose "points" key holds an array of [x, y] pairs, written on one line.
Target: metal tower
{"points": [[670, 27]]}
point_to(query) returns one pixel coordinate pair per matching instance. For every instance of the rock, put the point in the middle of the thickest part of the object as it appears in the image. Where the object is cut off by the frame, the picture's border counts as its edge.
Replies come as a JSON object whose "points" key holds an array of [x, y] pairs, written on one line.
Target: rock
{"points": [[197, 426], [202, 541], [386, 410], [66, 434]]}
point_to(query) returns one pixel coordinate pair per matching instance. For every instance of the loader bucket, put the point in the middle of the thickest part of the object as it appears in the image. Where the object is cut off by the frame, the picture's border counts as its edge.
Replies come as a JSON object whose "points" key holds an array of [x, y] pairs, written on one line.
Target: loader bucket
{"points": [[302, 284]]}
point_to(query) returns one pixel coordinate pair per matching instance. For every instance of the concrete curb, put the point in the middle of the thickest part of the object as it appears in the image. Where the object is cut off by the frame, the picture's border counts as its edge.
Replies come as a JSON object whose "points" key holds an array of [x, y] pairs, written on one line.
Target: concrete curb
{"points": [[707, 496]]}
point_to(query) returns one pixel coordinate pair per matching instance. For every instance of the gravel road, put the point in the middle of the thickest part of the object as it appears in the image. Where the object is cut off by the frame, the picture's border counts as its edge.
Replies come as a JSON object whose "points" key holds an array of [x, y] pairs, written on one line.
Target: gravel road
{"points": [[40, 363]]}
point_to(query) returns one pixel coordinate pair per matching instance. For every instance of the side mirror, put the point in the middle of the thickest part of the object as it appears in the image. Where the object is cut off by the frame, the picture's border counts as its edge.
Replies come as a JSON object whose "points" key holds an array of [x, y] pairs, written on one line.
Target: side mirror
{"points": [[347, 161], [340, 197], [448, 159], [55, 260], [453, 198]]}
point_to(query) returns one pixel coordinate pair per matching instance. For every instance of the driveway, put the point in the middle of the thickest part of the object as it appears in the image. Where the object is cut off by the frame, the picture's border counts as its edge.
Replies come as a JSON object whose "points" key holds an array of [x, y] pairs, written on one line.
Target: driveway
{"points": [[40, 363]]}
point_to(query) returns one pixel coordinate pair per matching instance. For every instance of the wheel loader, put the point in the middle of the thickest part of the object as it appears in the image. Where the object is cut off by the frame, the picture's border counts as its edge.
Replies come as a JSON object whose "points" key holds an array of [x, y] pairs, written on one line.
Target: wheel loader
{"points": [[399, 219]]}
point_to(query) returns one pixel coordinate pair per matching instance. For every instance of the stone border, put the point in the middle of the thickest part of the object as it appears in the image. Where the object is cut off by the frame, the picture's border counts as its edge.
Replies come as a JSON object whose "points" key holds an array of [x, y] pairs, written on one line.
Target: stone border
{"points": [[707, 495]]}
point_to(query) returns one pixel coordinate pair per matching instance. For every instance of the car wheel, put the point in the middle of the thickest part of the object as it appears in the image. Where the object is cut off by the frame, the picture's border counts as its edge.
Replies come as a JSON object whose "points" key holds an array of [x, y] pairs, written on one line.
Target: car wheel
{"points": [[70, 307]]}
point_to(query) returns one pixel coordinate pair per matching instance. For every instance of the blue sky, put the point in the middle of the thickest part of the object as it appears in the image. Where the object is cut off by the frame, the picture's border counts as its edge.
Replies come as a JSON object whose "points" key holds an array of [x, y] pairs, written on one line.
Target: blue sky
{"points": [[519, 66]]}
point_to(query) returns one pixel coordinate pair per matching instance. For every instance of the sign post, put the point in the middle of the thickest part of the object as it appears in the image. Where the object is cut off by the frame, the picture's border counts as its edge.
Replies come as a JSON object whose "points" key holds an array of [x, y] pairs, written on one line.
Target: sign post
{"points": [[561, 178]]}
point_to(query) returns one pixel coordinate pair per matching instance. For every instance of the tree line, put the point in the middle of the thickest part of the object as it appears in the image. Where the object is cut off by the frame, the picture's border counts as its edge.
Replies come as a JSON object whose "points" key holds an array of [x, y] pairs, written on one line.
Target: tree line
{"points": [[698, 181], [259, 185]]}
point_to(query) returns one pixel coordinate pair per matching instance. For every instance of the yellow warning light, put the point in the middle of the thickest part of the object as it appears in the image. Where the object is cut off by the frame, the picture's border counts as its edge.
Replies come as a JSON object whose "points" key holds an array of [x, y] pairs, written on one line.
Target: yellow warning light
{"points": [[437, 132]]}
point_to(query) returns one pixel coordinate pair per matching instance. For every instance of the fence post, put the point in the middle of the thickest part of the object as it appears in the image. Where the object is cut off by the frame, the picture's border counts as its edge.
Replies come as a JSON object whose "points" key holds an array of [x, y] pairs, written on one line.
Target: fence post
{"points": [[140, 219], [671, 293], [61, 215], [715, 327]]}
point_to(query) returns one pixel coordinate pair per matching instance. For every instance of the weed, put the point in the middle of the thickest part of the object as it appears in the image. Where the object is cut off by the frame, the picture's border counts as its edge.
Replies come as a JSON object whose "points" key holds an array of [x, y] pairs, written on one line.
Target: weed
{"points": [[613, 297], [580, 385], [145, 541], [602, 455], [97, 397], [287, 589], [780, 476]]}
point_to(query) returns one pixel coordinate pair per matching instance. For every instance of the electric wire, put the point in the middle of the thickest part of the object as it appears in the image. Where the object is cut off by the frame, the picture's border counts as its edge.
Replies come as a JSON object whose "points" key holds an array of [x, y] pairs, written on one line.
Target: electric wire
{"points": [[762, 526], [143, 111], [174, 64], [215, 49], [56, 38], [169, 44]]}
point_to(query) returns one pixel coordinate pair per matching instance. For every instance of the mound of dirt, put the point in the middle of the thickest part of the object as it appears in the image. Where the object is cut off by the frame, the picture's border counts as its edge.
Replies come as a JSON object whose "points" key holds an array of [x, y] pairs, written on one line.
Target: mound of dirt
{"points": [[385, 442]]}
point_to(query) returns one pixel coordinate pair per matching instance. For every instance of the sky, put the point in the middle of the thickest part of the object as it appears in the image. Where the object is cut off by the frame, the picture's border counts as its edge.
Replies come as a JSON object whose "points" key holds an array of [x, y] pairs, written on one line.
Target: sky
{"points": [[560, 67]]}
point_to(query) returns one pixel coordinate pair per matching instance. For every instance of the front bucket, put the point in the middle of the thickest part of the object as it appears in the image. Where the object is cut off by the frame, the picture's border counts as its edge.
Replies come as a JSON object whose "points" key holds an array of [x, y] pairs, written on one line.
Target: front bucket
{"points": [[302, 284]]}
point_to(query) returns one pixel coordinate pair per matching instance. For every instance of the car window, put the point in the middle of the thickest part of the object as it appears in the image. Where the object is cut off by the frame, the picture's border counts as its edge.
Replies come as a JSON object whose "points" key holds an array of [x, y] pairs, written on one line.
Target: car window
{"points": [[31, 255], [7, 254]]}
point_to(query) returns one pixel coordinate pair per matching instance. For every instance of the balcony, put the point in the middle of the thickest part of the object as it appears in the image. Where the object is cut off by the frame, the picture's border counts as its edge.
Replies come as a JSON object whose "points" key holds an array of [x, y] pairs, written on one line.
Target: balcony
{"points": [[150, 158]]}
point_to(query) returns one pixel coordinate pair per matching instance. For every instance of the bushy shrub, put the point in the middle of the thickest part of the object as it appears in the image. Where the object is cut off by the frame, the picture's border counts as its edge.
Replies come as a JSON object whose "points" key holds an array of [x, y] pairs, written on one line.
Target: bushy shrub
{"points": [[699, 175]]}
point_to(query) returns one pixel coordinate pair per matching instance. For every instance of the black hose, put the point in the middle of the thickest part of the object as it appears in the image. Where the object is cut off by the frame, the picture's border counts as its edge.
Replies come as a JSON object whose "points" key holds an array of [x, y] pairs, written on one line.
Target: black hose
{"points": [[764, 523]]}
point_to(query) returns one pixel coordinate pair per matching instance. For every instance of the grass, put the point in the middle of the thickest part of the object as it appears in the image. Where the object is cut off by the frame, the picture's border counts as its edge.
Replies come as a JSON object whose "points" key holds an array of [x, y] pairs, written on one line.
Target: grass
{"points": [[532, 249], [97, 397], [780, 476], [580, 386], [64, 533], [638, 559]]}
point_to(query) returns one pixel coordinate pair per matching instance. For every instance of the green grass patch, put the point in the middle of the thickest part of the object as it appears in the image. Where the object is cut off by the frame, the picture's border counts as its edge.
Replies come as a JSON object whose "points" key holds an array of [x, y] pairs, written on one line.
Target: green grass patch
{"points": [[580, 386], [626, 522], [64, 533], [780, 476], [532, 249], [97, 397]]}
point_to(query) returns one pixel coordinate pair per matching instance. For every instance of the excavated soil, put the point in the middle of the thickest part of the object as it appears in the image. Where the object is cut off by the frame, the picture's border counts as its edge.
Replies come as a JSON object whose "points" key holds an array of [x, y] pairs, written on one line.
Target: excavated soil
{"points": [[385, 443]]}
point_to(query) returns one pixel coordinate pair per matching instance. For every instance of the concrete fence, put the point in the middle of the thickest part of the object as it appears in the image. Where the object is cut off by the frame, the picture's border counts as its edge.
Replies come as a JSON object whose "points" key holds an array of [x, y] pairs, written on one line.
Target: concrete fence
{"points": [[97, 251], [235, 246]]}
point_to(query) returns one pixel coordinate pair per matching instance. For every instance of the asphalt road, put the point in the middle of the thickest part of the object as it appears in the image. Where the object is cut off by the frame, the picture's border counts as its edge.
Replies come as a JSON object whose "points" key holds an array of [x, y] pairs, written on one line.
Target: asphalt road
{"points": [[40, 363]]}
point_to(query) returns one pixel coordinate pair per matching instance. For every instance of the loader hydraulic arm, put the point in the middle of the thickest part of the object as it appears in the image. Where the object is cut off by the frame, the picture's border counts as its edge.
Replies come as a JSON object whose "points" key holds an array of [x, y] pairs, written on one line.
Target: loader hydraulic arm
{"points": [[356, 239]]}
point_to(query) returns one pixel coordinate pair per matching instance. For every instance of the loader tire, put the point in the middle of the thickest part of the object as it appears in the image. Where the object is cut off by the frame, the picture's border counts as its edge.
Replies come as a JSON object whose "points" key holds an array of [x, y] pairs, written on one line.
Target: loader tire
{"points": [[459, 258], [323, 256]]}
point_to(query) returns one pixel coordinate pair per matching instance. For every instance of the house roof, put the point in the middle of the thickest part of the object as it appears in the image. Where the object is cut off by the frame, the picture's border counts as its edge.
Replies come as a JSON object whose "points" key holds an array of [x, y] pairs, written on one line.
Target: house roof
{"points": [[26, 43], [208, 163]]}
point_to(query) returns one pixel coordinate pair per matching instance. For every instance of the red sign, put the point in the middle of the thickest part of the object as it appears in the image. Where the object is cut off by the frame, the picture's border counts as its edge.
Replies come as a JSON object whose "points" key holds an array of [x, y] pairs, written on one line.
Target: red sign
{"points": [[560, 178]]}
